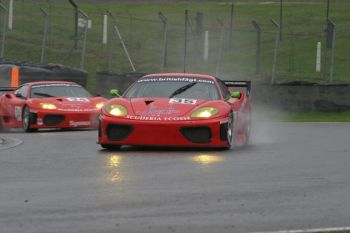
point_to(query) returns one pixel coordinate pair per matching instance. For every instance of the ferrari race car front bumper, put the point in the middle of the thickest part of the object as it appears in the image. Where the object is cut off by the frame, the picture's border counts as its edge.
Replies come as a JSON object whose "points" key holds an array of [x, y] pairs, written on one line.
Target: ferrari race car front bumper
{"points": [[42, 119], [193, 133]]}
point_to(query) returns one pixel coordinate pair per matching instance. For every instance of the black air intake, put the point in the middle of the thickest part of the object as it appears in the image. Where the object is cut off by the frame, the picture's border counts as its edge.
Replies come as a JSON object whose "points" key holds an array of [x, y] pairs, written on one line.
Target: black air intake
{"points": [[118, 132], [199, 134], [53, 119]]}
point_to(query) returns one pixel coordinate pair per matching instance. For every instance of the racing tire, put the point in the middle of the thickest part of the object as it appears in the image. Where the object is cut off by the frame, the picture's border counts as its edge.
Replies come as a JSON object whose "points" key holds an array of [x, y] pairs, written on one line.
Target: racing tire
{"points": [[111, 146], [230, 133], [27, 119]]}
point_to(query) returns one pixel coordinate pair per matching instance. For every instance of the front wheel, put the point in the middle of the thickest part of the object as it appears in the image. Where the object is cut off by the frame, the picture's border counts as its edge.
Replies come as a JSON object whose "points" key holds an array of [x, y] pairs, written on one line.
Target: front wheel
{"points": [[27, 120], [229, 132]]}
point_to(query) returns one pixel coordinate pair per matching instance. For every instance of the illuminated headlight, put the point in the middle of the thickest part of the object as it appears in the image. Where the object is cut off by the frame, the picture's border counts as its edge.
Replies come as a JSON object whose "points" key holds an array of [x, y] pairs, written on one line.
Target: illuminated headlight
{"points": [[99, 106], [48, 106], [117, 110], [205, 112]]}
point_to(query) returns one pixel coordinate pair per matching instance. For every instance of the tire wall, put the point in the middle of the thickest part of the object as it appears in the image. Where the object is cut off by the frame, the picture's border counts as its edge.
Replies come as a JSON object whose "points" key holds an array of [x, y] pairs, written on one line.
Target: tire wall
{"points": [[33, 73], [106, 81], [302, 98]]}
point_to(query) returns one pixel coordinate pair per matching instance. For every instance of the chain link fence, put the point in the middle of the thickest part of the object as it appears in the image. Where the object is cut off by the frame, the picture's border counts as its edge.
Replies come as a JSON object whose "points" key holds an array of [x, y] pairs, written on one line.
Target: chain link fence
{"points": [[233, 51]]}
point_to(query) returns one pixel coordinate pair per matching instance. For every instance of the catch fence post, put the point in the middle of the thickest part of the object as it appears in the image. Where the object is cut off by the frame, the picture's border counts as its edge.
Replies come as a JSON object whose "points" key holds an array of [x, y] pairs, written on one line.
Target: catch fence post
{"points": [[4, 26], [185, 46], [277, 40], [110, 53], [165, 40], [231, 25], [83, 50], [333, 51], [221, 46], [116, 30], [44, 42], [76, 17], [258, 47]]}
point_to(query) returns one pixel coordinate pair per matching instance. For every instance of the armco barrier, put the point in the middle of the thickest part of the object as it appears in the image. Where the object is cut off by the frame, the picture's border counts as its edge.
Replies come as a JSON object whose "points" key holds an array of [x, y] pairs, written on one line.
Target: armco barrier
{"points": [[303, 97], [17, 74], [106, 81]]}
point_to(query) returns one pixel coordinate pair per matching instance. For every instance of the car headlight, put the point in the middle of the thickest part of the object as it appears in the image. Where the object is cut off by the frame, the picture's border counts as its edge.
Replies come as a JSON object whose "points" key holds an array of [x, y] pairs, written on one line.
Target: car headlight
{"points": [[117, 110], [204, 112], [48, 106], [99, 106]]}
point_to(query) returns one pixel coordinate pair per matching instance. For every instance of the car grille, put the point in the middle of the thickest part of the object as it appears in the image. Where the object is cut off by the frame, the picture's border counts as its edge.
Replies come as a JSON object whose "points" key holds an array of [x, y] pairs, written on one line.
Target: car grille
{"points": [[118, 132], [53, 119], [200, 134]]}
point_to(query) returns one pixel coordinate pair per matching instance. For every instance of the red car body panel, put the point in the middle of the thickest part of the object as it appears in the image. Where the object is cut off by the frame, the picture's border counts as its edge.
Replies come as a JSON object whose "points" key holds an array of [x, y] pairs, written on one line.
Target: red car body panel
{"points": [[163, 122], [74, 112]]}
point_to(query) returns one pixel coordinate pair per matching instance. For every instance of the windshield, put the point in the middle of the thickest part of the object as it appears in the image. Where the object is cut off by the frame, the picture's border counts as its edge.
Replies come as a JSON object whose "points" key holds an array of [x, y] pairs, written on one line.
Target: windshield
{"points": [[58, 90], [168, 88]]}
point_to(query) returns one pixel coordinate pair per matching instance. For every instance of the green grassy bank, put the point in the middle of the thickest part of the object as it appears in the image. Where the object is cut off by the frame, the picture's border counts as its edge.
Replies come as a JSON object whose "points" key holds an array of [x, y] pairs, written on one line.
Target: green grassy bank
{"points": [[142, 30]]}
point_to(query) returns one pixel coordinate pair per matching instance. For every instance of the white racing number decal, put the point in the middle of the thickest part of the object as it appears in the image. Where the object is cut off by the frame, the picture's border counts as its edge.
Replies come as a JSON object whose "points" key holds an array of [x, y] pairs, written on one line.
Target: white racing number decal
{"points": [[79, 123], [176, 79], [182, 101], [77, 99], [18, 113]]}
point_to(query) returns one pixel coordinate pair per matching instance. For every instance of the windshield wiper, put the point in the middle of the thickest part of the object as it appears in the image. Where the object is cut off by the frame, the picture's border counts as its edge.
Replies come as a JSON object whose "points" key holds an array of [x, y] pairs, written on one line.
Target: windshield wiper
{"points": [[43, 94], [182, 89]]}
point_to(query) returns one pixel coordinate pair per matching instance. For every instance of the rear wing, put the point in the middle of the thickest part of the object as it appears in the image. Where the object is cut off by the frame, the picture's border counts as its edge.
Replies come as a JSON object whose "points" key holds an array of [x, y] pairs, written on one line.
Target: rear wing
{"points": [[244, 84]]}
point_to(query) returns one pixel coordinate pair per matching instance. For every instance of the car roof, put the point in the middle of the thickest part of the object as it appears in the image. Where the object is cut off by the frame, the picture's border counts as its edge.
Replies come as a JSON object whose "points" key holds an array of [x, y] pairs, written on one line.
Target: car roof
{"points": [[185, 75], [50, 82]]}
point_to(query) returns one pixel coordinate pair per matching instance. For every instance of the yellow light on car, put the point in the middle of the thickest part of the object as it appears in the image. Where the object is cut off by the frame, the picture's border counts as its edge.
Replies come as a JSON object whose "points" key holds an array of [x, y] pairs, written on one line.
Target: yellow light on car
{"points": [[117, 110], [205, 112], [99, 106], [48, 106]]}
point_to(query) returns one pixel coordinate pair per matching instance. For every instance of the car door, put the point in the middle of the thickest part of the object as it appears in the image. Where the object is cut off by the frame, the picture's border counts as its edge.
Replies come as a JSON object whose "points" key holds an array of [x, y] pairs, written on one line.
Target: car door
{"points": [[14, 102]]}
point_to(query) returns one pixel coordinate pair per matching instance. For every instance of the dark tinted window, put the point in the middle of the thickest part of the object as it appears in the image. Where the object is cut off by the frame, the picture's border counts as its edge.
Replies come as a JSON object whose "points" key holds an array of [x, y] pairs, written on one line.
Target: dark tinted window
{"points": [[225, 91], [22, 91], [58, 90], [176, 89]]}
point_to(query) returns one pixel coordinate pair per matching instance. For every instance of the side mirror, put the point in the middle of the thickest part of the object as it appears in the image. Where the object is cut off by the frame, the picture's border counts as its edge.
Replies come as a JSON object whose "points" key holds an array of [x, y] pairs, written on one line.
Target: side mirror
{"points": [[115, 93], [19, 95], [235, 94]]}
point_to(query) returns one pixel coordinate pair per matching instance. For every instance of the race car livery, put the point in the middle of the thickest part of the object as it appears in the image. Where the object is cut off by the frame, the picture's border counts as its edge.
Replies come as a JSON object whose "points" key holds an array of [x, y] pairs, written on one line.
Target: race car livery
{"points": [[177, 109], [49, 104]]}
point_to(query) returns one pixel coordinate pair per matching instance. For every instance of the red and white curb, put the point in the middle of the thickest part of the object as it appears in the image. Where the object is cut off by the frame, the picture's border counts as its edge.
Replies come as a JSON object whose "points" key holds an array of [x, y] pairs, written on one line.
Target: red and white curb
{"points": [[316, 230]]}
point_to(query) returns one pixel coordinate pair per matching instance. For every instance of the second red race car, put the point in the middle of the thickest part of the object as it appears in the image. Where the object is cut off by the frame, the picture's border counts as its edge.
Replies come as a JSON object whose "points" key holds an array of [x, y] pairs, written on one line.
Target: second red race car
{"points": [[175, 109], [49, 104]]}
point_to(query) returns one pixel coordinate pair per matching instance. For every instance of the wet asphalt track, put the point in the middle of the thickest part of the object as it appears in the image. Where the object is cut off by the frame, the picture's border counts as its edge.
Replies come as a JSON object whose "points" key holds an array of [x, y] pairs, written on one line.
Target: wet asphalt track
{"points": [[292, 176]]}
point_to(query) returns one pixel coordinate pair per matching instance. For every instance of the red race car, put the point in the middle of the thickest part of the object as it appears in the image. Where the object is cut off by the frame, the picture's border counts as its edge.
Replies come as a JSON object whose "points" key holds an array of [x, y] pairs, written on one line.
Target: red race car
{"points": [[186, 110], [49, 104]]}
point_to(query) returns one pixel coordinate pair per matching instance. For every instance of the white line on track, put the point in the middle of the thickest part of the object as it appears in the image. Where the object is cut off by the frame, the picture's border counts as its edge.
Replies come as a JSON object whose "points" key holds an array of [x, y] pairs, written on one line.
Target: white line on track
{"points": [[335, 229]]}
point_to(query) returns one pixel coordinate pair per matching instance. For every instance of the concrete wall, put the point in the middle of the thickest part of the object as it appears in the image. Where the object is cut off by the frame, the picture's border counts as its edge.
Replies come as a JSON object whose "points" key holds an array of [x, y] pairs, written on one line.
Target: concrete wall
{"points": [[304, 97], [106, 81], [50, 72]]}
